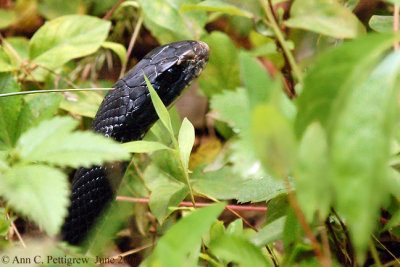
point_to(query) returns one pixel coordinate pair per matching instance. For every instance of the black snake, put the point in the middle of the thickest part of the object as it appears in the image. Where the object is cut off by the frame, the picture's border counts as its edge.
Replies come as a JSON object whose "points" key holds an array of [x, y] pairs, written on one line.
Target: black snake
{"points": [[126, 114]]}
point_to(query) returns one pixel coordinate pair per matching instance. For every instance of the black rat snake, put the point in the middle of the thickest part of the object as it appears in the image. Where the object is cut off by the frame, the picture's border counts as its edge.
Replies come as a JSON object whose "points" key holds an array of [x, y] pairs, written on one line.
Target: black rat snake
{"points": [[126, 114]]}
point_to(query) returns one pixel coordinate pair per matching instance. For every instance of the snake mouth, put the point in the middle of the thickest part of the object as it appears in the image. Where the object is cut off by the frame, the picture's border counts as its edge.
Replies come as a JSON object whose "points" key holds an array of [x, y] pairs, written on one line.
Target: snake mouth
{"points": [[202, 52]]}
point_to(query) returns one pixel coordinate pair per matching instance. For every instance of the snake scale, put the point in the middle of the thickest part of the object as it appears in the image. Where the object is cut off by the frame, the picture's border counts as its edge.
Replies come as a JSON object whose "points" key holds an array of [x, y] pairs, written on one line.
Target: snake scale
{"points": [[126, 114]]}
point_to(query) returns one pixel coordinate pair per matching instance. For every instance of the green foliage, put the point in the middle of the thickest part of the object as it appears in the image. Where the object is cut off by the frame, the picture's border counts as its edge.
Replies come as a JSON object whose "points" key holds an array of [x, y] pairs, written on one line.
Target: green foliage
{"points": [[144, 146], [39, 192], [186, 141], [327, 17], [169, 24], [81, 36], [314, 168], [222, 70], [82, 103], [165, 192], [9, 110], [217, 6], [182, 240], [237, 249], [363, 169], [383, 24], [345, 67], [43, 144]]}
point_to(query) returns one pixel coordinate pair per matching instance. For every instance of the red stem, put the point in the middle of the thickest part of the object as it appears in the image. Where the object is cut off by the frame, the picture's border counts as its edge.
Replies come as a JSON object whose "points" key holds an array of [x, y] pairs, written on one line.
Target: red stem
{"points": [[190, 204]]}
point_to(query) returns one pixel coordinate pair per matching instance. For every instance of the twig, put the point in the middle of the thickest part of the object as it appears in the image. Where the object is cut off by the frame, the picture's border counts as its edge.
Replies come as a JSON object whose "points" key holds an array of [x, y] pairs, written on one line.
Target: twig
{"points": [[374, 254], [54, 91], [346, 232], [273, 258], [303, 222], [282, 41], [16, 231], [385, 248], [190, 204], [132, 43], [21, 61], [325, 243], [132, 251], [112, 10], [206, 257], [231, 208], [339, 252], [69, 82], [396, 24]]}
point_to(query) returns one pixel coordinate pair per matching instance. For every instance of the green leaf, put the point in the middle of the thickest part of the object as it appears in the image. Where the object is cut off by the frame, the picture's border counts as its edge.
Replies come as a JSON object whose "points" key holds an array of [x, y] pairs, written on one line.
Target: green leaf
{"points": [[7, 18], [118, 49], [51, 9], [66, 38], [144, 146], [258, 190], [8, 60], [52, 142], [82, 103], [257, 81], [383, 24], [186, 142], [351, 4], [292, 231], [235, 227], [393, 1], [313, 176], [184, 237], [165, 22], [216, 230], [239, 250], [233, 108], [360, 149], [37, 108], [161, 110], [220, 184], [269, 233], [217, 6], [277, 208], [327, 17], [273, 138], [20, 46], [165, 193], [169, 163], [39, 192], [9, 110], [222, 70], [5, 61], [335, 71]]}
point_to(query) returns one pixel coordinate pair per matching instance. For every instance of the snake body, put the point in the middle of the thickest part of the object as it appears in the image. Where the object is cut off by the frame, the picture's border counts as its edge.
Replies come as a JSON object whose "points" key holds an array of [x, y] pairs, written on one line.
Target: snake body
{"points": [[126, 114]]}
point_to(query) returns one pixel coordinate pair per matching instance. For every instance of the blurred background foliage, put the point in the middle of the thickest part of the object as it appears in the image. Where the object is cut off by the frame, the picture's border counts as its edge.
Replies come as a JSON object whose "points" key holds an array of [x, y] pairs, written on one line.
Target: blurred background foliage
{"points": [[296, 119]]}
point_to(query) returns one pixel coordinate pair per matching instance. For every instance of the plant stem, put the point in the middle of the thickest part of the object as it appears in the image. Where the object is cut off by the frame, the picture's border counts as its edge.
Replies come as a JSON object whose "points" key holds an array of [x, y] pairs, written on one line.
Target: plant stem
{"points": [[186, 175], [54, 91], [110, 12], [132, 42], [209, 259], [396, 24], [374, 254], [185, 172], [303, 222], [386, 249], [282, 41], [189, 204]]}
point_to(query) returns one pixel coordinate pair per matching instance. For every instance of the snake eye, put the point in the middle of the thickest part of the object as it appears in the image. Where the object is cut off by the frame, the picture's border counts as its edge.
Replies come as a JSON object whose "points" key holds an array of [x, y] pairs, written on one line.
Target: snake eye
{"points": [[173, 74]]}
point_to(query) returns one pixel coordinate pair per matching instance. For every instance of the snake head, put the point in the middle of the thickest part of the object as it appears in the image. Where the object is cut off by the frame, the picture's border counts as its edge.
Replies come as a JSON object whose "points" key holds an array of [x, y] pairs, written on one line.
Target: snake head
{"points": [[170, 69]]}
